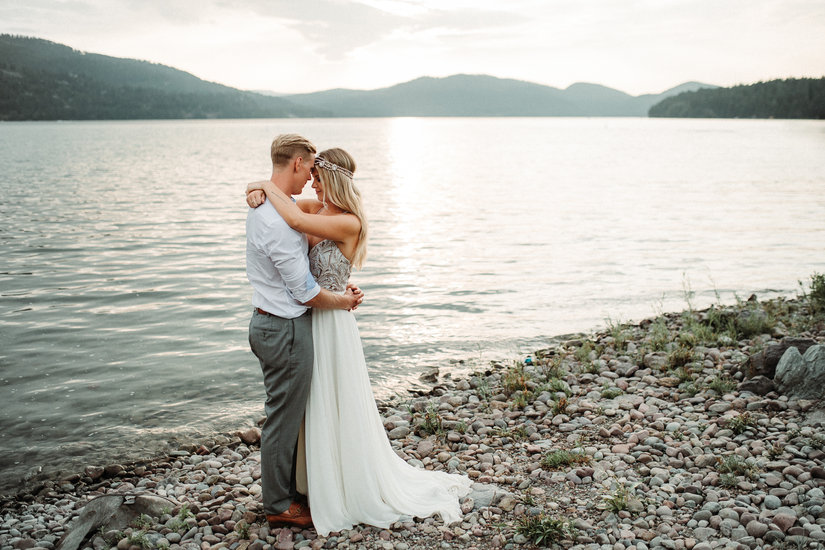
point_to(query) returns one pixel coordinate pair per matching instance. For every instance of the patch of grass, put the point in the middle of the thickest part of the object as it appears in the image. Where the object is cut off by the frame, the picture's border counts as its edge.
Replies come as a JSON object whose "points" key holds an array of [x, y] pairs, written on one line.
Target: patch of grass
{"points": [[179, 522], [528, 500], [460, 427], [143, 522], [689, 388], [722, 384], [242, 528], [551, 367], [775, 451], [555, 385], [559, 406], [519, 401], [816, 294], [483, 390], [679, 357], [617, 501], [659, 335], [618, 333], [753, 321], [583, 353], [687, 339], [561, 458], [684, 374], [543, 530], [519, 433], [432, 423], [740, 424], [139, 538], [515, 378], [736, 465], [728, 481]]}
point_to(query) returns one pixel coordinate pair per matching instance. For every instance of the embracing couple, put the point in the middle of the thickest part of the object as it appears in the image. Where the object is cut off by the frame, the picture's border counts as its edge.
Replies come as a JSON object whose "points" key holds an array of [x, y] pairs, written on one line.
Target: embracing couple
{"points": [[323, 435]]}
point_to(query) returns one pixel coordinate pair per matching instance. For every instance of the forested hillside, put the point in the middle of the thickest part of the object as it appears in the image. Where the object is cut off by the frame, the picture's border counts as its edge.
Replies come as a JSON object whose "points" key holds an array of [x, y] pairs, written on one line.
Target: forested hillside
{"points": [[791, 98], [41, 80]]}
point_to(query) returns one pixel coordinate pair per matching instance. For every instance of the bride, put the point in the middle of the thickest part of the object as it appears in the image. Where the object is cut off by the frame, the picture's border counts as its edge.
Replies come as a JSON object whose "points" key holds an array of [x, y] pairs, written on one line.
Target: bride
{"points": [[353, 475]]}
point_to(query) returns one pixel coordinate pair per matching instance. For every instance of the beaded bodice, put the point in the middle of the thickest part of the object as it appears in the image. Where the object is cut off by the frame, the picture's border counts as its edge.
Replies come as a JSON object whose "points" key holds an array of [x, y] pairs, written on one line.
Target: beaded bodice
{"points": [[329, 266]]}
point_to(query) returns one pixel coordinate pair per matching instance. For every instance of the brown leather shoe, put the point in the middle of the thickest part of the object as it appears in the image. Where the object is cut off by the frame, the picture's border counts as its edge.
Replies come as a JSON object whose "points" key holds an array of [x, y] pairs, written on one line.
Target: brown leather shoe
{"points": [[297, 514]]}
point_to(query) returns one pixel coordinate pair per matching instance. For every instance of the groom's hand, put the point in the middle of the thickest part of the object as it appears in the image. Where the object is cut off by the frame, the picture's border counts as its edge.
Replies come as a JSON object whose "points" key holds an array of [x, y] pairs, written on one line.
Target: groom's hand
{"points": [[355, 294]]}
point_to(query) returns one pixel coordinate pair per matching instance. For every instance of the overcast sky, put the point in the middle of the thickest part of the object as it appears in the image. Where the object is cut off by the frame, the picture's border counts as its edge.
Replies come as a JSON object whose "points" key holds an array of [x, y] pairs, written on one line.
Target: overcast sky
{"points": [[637, 46]]}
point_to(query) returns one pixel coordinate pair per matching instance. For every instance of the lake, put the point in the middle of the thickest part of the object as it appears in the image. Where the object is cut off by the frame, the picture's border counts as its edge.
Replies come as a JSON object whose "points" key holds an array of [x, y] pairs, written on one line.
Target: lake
{"points": [[124, 303]]}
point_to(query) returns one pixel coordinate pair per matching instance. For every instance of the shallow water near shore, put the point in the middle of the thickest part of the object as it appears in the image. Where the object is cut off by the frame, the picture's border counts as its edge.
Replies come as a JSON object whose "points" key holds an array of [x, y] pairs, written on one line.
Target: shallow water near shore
{"points": [[124, 304]]}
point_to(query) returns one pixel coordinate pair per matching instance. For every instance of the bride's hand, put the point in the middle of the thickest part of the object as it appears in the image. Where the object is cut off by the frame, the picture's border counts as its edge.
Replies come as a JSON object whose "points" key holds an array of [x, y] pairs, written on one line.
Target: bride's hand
{"points": [[357, 293], [255, 198]]}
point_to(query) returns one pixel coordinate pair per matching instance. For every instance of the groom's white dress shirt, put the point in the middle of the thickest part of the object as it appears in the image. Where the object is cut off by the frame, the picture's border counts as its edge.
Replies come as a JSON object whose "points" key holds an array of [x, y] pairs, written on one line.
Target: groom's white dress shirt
{"points": [[277, 265]]}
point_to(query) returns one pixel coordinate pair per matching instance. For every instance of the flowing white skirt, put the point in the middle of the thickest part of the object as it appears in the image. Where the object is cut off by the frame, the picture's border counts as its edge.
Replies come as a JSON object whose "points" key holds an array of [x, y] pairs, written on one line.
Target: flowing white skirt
{"points": [[353, 474]]}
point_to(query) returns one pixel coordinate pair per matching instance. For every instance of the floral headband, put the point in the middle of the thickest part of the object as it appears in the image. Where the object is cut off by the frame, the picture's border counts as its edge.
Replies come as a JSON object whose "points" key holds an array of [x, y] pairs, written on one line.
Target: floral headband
{"points": [[321, 162]]}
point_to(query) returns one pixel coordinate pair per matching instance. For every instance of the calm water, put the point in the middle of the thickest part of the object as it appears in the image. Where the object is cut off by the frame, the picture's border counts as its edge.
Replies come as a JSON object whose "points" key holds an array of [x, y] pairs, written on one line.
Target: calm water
{"points": [[124, 303]]}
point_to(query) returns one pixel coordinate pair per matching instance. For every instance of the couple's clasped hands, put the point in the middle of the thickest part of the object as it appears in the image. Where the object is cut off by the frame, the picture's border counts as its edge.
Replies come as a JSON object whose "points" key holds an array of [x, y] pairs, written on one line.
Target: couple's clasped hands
{"points": [[355, 294]]}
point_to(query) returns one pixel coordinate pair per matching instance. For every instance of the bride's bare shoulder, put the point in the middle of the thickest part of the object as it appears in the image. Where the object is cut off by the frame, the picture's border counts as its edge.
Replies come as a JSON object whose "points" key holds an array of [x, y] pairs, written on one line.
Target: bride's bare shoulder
{"points": [[309, 205]]}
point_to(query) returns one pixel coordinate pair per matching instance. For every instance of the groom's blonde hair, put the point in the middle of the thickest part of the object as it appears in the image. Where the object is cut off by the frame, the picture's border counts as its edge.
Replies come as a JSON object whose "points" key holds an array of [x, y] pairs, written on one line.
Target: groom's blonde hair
{"points": [[285, 147]]}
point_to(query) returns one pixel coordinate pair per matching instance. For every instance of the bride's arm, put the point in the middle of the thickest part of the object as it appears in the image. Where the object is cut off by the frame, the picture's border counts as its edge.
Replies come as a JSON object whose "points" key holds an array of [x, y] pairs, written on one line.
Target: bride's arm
{"points": [[336, 228]]}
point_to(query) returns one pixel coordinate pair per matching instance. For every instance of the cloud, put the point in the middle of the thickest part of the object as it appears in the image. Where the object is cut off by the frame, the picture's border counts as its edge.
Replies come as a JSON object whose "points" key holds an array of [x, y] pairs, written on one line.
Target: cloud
{"points": [[335, 28]]}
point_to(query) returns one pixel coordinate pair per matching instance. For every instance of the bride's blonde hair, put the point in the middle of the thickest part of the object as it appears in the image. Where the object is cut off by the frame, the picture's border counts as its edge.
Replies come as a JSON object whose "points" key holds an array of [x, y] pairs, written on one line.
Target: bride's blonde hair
{"points": [[339, 189]]}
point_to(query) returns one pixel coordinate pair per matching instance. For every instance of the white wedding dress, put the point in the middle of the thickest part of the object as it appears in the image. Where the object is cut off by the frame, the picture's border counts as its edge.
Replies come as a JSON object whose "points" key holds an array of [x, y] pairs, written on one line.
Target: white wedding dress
{"points": [[353, 475]]}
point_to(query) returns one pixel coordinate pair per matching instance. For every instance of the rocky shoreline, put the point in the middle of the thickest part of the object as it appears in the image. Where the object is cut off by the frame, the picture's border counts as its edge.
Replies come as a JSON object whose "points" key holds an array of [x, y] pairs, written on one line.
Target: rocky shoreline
{"points": [[681, 432]]}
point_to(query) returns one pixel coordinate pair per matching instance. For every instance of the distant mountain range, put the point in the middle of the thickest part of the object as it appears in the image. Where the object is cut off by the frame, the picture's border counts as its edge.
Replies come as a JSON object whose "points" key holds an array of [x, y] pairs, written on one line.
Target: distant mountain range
{"points": [[42, 80], [481, 95]]}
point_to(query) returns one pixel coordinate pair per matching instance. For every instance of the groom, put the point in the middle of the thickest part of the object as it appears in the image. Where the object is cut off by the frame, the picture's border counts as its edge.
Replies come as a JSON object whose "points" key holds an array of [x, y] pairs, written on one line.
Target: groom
{"points": [[280, 332]]}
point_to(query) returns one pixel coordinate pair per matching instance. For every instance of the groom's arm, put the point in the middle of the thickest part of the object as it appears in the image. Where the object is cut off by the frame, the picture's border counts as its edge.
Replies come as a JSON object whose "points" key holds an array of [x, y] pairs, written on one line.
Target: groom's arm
{"points": [[325, 299]]}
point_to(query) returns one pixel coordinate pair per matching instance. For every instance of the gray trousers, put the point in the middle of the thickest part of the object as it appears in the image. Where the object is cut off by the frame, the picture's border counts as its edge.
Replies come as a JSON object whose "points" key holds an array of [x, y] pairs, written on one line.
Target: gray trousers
{"points": [[284, 349]]}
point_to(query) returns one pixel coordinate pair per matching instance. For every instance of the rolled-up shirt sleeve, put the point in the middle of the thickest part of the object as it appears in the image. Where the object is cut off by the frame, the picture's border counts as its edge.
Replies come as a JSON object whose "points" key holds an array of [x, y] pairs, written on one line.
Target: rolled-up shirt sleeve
{"points": [[289, 256]]}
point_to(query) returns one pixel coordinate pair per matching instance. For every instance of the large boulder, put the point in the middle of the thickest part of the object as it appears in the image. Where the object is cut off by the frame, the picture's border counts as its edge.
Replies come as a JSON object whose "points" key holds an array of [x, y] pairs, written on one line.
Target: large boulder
{"points": [[764, 363], [802, 376]]}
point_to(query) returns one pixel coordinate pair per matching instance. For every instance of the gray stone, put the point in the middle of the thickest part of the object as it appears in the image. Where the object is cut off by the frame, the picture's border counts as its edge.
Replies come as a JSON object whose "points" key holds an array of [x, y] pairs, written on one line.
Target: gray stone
{"points": [[399, 432], [484, 495], [702, 515], [728, 513], [802, 376], [704, 533], [772, 502]]}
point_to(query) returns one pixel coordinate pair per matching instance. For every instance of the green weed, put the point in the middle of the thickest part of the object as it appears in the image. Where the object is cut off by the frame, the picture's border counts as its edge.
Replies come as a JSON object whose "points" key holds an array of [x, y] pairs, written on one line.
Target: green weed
{"points": [[736, 465], [679, 357], [543, 530], [722, 384], [560, 458], [432, 422], [740, 424]]}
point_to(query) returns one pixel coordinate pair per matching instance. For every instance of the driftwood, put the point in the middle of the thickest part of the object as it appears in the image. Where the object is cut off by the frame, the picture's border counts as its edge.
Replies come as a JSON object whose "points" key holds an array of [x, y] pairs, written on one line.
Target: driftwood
{"points": [[112, 512]]}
